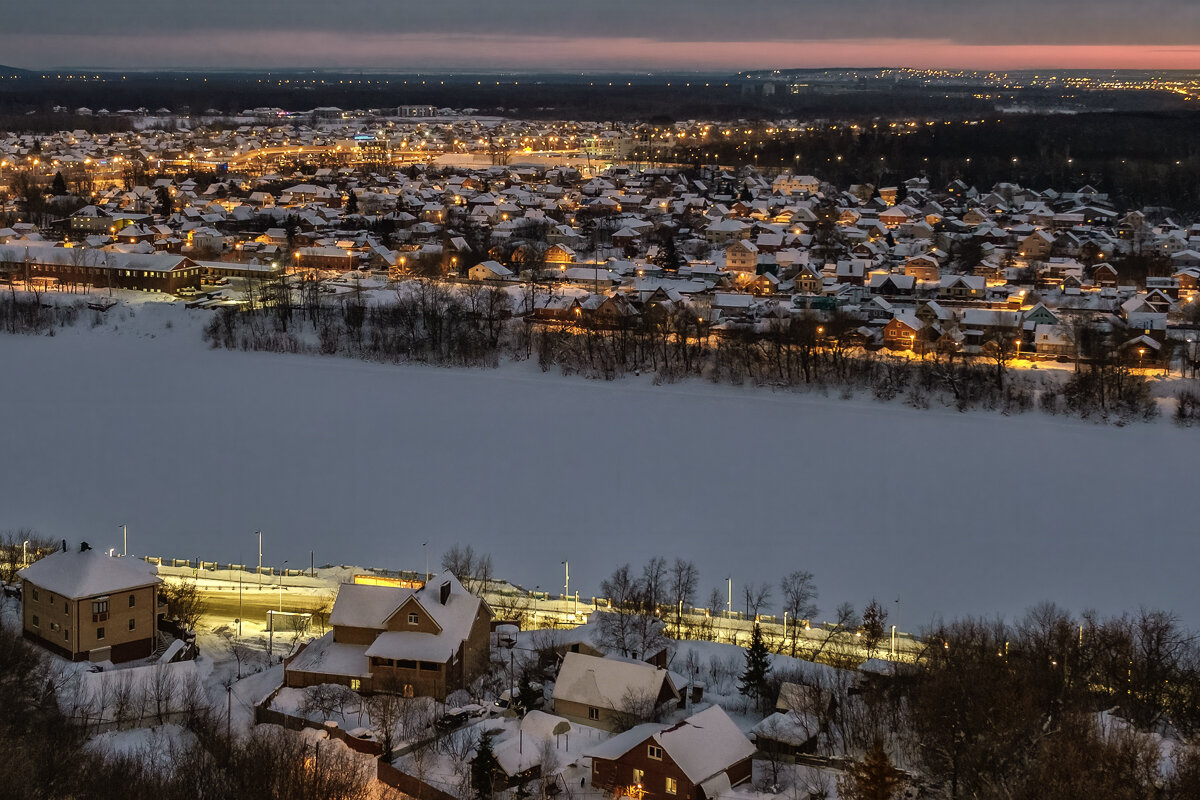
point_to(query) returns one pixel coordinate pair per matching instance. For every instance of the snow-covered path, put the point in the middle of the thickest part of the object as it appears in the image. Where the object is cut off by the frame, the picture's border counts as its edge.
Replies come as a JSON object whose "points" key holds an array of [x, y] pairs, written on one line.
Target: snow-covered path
{"points": [[196, 449]]}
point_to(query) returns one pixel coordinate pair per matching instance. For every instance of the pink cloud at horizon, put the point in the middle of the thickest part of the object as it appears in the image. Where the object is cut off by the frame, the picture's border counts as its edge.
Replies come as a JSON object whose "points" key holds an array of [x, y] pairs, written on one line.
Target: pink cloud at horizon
{"points": [[422, 52]]}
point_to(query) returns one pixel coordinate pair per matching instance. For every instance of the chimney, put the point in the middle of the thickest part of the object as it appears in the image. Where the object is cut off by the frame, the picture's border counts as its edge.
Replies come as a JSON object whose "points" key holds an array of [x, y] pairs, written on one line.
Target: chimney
{"points": [[444, 592], [84, 547]]}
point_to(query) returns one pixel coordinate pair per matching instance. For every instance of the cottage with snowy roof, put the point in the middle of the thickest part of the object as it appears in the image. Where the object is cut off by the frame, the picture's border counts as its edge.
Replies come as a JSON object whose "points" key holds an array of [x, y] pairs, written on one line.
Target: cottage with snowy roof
{"points": [[700, 758], [86, 605], [600, 692], [424, 642]]}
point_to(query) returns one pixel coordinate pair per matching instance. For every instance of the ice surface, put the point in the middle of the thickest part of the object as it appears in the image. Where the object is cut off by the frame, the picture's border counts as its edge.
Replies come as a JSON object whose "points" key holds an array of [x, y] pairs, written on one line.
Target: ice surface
{"points": [[954, 514]]}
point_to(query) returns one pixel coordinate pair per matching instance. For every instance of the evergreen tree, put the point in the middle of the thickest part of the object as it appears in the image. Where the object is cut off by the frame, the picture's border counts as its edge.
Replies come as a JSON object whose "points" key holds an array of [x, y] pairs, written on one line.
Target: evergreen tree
{"points": [[758, 665], [874, 778], [527, 695], [483, 768], [59, 187], [352, 203], [667, 257], [164, 201]]}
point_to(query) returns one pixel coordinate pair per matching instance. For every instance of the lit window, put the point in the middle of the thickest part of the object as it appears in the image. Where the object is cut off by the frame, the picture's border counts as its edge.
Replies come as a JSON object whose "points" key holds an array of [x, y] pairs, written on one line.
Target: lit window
{"points": [[638, 776], [355, 684], [672, 786]]}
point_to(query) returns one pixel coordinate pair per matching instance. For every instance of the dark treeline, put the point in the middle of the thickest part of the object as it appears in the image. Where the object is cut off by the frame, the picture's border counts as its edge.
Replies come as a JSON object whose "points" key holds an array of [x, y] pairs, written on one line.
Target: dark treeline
{"points": [[594, 97], [437, 323], [43, 756], [1139, 158]]}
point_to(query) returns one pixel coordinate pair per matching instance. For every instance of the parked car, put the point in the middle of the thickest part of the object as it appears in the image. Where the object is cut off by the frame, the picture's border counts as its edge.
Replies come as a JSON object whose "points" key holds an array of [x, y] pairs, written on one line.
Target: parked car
{"points": [[451, 719]]}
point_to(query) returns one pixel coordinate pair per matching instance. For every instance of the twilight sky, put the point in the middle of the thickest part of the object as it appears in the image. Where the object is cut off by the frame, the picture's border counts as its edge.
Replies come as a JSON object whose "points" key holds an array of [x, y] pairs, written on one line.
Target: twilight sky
{"points": [[614, 34]]}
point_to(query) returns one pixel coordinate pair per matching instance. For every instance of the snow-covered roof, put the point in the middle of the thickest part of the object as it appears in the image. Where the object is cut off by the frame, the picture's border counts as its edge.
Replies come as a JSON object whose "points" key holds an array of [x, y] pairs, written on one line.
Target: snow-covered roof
{"points": [[604, 682], [90, 573], [702, 745], [367, 606], [325, 656]]}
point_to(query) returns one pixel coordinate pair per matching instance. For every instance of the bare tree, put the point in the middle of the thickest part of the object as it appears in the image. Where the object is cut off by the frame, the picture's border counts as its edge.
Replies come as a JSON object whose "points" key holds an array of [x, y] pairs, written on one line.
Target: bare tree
{"points": [[799, 600]]}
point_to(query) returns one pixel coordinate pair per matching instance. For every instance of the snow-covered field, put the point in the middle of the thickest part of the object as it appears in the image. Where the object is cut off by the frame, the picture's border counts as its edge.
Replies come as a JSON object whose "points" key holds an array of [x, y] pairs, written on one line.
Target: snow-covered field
{"points": [[956, 514]]}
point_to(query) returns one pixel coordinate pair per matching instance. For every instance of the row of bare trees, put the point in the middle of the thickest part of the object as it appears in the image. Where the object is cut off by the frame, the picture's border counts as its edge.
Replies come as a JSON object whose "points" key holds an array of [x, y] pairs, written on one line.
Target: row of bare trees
{"points": [[1053, 706], [44, 754]]}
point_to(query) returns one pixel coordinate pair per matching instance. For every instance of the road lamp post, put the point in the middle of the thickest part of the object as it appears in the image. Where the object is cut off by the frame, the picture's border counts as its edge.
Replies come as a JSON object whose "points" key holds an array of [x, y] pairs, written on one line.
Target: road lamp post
{"points": [[566, 579], [124, 539], [259, 559], [24, 552]]}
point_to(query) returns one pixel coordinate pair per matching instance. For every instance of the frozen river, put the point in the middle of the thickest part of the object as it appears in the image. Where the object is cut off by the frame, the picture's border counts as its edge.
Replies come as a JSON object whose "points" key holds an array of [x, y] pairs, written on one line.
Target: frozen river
{"points": [[954, 514]]}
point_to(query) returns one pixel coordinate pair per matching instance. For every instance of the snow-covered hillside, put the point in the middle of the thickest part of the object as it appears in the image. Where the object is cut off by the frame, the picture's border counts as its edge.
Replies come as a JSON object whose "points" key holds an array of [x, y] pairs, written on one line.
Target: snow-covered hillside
{"points": [[196, 449]]}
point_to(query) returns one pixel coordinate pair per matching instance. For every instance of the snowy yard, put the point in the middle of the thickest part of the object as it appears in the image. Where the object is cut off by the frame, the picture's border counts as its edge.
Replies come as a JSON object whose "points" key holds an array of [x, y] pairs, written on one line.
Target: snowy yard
{"points": [[955, 514]]}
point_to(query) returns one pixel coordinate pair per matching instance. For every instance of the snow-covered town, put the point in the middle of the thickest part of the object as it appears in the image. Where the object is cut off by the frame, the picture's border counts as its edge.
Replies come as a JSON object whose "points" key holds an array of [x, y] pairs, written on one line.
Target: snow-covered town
{"points": [[544, 401], [597, 230]]}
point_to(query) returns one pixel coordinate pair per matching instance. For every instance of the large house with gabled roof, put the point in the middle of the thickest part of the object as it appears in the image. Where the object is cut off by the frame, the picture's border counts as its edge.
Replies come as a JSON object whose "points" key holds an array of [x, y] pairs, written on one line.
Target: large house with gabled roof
{"points": [[425, 642], [87, 606]]}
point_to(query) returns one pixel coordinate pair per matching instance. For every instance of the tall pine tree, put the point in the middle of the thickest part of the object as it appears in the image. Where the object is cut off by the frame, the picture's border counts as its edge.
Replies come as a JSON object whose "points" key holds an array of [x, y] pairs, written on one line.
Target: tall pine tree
{"points": [[758, 665], [874, 778], [483, 769]]}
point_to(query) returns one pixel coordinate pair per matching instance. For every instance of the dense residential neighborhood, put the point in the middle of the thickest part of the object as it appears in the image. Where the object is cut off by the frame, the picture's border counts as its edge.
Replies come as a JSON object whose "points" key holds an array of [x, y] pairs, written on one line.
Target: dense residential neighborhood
{"points": [[451, 237], [338, 196]]}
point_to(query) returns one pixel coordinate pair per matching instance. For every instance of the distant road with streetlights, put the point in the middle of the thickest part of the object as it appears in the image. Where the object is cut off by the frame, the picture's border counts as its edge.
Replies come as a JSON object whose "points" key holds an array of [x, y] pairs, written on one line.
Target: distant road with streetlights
{"points": [[230, 598]]}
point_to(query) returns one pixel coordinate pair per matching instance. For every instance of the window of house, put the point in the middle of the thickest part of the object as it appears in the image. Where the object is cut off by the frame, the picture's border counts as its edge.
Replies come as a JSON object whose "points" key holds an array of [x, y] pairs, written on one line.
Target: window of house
{"points": [[36, 622], [655, 752], [672, 786], [132, 600], [408, 690], [66, 608], [430, 666], [406, 663], [638, 775], [131, 623], [35, 594], [100, 607], [414, 618], [66, 635], [593, 713], [355, 684], [99, 633]]}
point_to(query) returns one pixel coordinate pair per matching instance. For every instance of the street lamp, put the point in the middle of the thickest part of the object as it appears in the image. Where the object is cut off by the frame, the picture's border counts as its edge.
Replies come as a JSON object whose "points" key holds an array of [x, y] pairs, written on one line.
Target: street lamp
{"points": [[124, 539], [259, 558], [566, 579], [24, 550]]}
